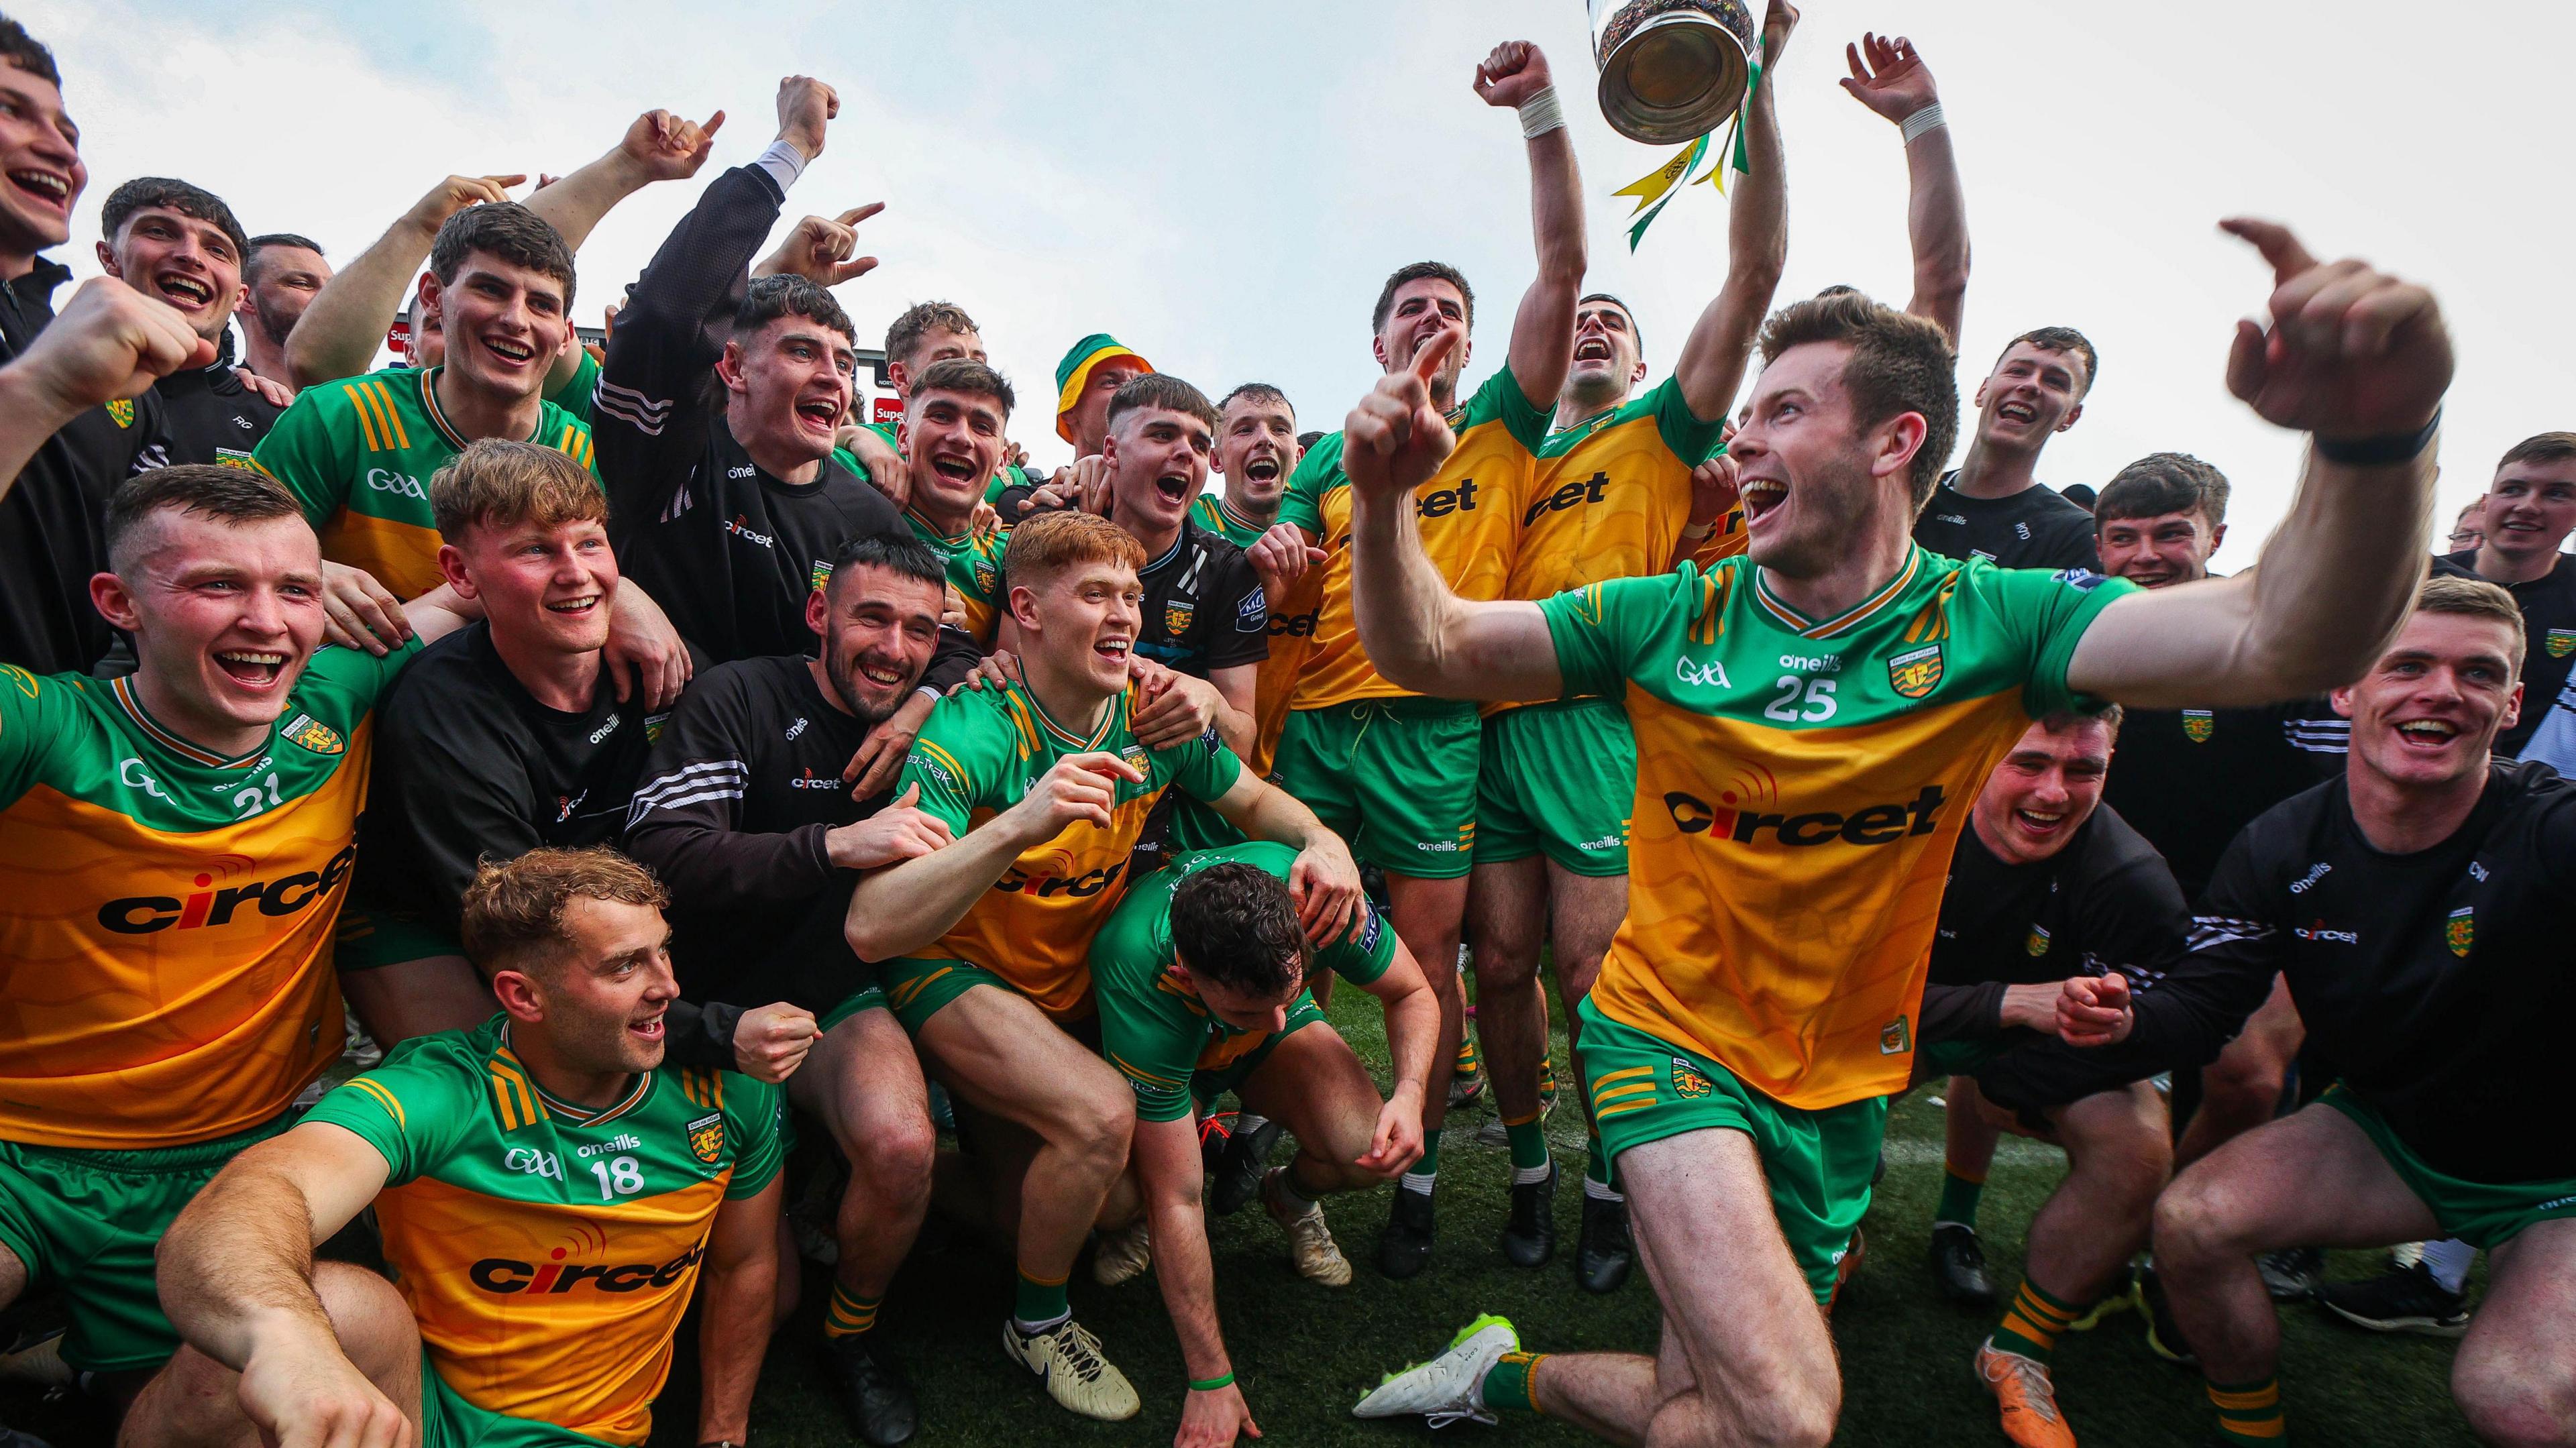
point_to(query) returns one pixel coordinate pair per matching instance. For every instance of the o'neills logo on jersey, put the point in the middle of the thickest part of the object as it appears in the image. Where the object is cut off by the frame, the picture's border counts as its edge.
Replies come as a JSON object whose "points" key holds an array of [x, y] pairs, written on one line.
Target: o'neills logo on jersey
{"points": [[505, 1277], [214, 902], [1877, 824]]}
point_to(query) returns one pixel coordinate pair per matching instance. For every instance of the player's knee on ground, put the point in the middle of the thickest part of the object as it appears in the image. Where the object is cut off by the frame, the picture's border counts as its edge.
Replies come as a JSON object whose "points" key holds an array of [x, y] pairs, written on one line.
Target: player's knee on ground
{"points": [[2514, 1400]]}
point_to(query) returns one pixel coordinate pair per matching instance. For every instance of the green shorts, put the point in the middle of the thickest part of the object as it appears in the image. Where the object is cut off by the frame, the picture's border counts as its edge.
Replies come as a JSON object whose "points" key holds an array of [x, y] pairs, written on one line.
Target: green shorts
{"points": [[1395, 777], [87, 1221], [1558, 778], [2478, 1213], [1210, 1083], [1819, 1163], [370, 937], [448, 1421], [865, 998], [1959, 1057]]}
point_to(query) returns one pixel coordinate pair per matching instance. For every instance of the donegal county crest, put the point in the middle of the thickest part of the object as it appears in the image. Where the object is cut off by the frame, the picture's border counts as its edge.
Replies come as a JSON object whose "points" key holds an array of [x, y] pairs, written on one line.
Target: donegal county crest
{"points": [[821, 575], [122, 409], [987, 577], [1689, 1080], [2560, 642], [2198, 725], [706, 1137], [1895, 1038], [1914, 672], [313, 734], [1177, 614], [2037, 941], [2461, 931]]}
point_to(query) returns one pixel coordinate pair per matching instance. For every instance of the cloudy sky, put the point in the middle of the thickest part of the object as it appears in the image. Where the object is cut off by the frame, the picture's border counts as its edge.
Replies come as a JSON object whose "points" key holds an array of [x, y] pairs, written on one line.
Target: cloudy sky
{"points": [[1225, 185]]}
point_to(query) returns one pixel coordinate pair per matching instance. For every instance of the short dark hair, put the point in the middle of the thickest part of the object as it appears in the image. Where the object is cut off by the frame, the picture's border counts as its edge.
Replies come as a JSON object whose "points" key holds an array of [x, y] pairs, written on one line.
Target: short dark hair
{"points": [[178, 196], [27, 53], [2066, 719], [967, 376], [1234, 924], [225, 494], [904, 333], [2541, 447], [771, 298], [514, 911], [507, 230], [1621, 303], [1160, 390], [1899, 363], [2060, 339], [2162, 483], [1256, 393], [1306, 440], [899, 553], [1415, 272], [265, 240]]}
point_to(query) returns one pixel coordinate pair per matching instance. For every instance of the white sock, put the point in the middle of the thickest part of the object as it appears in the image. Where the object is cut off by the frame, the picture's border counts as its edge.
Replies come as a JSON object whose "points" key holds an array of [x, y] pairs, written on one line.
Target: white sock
{"points": [[1524, 1175], [2448, 1261], [1601, 1191], [1419, 1181], [1040, 1329]]}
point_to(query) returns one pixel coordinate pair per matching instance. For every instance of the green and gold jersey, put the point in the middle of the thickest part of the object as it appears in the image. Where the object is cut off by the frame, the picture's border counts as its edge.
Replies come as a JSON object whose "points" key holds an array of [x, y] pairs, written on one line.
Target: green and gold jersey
{"points": [[165, 955], [1292, 632], [1800, 785], [1609, 498], [1153, 1027], [359, 453], [979, 752], [1469, 514], [974, 570], [547, 1250], [574, 396], [1008, 475]]}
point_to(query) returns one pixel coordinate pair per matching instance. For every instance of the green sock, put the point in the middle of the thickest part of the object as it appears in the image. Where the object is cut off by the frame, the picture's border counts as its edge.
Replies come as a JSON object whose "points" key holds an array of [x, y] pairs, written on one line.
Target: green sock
{"points": [[849, 1314], [1430, 1163], [1508, 1382], [1958, 1198], [1596, 1162], [2250, 1413], [1529, 1143], [2031, 1325], [1040, 1304]]}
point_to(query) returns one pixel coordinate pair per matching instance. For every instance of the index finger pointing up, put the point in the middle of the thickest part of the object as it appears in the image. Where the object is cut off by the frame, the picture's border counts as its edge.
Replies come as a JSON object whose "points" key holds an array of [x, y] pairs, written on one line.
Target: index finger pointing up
{"points": [[2279, 247], [1427, 362], [857, 214]]}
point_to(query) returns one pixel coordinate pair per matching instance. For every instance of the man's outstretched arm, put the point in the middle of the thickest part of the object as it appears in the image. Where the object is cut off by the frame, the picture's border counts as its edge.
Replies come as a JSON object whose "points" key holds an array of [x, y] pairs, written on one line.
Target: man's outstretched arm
{"points": [[1514, 76], [1889, 77], [339, 332], [1420, 635], [111, 342], [1712, 359], [2359, 360]]}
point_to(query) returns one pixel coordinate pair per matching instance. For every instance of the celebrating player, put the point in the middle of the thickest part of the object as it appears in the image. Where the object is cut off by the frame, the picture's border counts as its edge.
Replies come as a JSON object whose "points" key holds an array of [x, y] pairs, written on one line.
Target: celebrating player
{"points": [[1256, 452], [983, 941], [1393, 771], [549, 1188], [281, 274], [1795, 819], [182, 244], [174, 846], [952, 436], [1612, 498], [1201, 974], [2418, 909]]}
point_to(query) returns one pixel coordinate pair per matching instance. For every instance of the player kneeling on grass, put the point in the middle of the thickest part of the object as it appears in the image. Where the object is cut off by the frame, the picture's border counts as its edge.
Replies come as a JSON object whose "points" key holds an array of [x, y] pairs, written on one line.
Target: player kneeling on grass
{"points": [[1201, 976], [548, 1188], [1046, 783]]}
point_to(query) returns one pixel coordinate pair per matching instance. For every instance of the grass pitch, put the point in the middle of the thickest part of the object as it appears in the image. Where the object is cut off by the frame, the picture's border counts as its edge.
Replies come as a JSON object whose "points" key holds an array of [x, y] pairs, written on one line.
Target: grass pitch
{"points": [[1305, 1354]]}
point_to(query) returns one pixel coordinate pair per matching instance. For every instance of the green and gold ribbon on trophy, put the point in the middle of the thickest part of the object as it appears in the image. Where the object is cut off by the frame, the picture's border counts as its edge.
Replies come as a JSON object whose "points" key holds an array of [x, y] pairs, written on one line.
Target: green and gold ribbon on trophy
{"points": [[1672, 73]]}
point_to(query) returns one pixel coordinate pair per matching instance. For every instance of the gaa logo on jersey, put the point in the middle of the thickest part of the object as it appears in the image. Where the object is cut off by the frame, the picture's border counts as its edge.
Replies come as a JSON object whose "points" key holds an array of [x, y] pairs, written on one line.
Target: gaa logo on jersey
{"points": [[2461, 931], [1689, 1080], [313, 734], [706, 1137], [1914, 672], [2560, 642], [1177, 614], [2198, 725], [2037, 943]]}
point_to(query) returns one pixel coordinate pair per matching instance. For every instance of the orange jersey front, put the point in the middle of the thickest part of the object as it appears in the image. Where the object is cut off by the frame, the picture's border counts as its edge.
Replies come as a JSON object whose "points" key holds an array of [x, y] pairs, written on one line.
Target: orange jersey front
{"points": [[165, 958], [1469, 515]]}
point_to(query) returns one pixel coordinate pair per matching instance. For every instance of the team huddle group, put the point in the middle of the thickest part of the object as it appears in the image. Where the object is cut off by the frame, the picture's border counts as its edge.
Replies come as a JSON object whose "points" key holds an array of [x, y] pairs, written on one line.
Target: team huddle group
{"points": [[658, 764]]}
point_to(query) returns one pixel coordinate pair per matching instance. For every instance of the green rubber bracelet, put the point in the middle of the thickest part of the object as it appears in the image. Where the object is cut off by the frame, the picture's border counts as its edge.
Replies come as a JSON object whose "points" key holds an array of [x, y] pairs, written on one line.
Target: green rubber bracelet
{"points": [[1210, 1385]]}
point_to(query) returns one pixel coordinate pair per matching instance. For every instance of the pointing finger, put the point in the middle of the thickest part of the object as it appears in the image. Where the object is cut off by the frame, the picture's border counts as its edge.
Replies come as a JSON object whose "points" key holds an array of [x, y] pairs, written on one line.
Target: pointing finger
{"points": [[857, 214], [1426, 363], [712, 124], [2274, 241]]}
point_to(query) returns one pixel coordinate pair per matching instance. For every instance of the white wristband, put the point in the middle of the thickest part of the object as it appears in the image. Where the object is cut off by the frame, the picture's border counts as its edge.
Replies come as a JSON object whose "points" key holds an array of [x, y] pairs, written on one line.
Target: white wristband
{"points": [[1923, 123], [783, 162], [1541, 114]]}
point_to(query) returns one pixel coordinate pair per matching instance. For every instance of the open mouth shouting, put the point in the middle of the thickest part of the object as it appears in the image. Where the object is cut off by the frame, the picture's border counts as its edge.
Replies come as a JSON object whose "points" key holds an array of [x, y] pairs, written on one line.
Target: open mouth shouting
{"points": [[2426, 736], [257, 670], [44, 186], [1173, 490], [187, 292], [2019, 414], [1264, 466], [2041, 824], [956, 467], [819, 414], [1760, 498], [1594, 349]]}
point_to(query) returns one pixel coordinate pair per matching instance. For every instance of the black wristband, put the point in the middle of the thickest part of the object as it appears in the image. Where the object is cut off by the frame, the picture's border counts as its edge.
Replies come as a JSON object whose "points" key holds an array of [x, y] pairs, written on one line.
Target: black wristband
{"points": [[2381, 451]]}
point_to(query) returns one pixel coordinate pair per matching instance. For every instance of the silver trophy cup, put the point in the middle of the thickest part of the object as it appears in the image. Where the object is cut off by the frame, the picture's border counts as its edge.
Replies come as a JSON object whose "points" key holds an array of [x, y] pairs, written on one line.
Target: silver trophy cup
{"points": [[1671, 70]]}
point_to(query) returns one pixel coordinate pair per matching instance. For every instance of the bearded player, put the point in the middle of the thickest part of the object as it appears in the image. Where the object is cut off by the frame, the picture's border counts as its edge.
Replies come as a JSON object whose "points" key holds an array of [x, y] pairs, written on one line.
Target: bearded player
{"points": [[1795, 820]]}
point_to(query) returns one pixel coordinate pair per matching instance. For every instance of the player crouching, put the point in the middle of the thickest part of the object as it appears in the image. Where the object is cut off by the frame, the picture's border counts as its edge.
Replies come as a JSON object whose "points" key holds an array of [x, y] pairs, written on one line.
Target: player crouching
{"points": [[1201, 976], [548, 1190]]}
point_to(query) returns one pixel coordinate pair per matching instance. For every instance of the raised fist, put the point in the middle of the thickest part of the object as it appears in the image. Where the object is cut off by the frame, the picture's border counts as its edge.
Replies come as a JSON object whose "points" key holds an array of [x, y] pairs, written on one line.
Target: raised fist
{"points": [[1511, 74], [805, 107]]}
